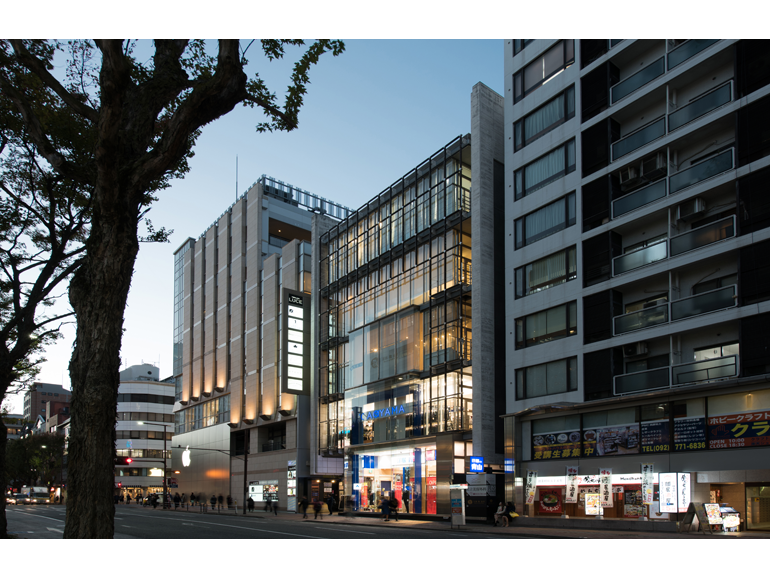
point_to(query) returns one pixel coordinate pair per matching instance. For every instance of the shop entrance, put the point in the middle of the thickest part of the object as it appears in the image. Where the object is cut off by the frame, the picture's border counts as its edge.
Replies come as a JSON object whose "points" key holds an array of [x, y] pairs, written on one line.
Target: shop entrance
{"points": [[758, 507]]}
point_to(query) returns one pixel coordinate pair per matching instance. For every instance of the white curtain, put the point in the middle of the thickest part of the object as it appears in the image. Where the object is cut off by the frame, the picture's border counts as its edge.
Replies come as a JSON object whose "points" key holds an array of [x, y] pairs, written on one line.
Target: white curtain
{"points": [[541, 119], [545, 219], [543, 169]]}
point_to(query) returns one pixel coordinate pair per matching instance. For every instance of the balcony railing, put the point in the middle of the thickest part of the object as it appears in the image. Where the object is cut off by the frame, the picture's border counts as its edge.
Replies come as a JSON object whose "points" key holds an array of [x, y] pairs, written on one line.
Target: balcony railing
{"points": [[640, 258], [642, 319], [642, 381], [703, 170], [638, 198], [635, 82], [722, 298], [702, 236], [687, 50], [706, 370], [701, 106], [638, 139]]}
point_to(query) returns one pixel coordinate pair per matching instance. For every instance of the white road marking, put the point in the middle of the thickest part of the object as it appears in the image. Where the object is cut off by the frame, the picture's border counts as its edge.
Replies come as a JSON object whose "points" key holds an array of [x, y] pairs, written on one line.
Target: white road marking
{"points": [[336, 530], [239, 527], [55, 530], [36, 515]]}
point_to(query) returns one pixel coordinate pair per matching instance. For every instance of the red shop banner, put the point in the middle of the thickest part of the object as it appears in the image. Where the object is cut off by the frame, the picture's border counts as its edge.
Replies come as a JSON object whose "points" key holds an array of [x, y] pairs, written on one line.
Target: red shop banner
{"points": [[550, 501], [740, 430]]}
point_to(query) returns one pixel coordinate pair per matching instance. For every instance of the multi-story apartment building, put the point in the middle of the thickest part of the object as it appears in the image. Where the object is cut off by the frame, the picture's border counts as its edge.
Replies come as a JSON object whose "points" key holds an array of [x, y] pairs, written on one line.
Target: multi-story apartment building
{"points": [[38, 394], [143, 431], [638, 310], [406, 291], [235, 407]]}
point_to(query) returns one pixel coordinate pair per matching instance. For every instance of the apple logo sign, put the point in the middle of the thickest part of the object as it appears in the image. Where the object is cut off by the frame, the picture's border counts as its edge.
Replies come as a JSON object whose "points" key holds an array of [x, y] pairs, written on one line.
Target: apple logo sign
{"points": [[186, 457]]}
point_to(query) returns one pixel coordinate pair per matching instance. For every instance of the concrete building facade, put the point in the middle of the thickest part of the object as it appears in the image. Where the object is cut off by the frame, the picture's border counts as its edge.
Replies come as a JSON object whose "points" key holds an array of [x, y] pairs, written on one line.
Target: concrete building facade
{"points": [[637, 303], [230, 412], [38, 394]]}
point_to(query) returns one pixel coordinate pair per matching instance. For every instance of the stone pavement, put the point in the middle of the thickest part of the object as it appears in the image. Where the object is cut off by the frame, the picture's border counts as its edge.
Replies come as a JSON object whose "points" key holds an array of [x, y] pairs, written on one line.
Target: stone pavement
{"points": [[532, 532]]}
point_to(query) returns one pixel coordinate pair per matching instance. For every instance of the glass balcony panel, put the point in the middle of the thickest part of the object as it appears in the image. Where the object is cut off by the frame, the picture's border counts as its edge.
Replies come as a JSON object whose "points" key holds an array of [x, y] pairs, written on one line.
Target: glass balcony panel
{"points": [[705, 104], [704, 303], [638, 80], [702, 171], [705, 370], [687, 50], [639, 258], [642, 381], [639, 198], [641, 319], [640, 138], [702, 236]]}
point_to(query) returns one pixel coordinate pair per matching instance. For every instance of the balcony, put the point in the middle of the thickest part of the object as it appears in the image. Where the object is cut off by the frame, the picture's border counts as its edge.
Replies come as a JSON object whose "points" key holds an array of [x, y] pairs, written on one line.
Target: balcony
{"points": [[642, 381], [638, 198], [638, 139], [702, 236], [642, 319], [687, 50], [640, 258], [702, 106], [706, 370], [638, 80], [722, 298], [706, 169]]}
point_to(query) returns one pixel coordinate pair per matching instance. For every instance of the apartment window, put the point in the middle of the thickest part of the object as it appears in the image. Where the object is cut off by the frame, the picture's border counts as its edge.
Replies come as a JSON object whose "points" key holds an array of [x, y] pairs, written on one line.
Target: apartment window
{"points": [[539, 122], [546, 272], [543, 68], [548, 325], [547, 379], [725, 281], [717, 351], [546, 221], [545, 170], [519, 45]]}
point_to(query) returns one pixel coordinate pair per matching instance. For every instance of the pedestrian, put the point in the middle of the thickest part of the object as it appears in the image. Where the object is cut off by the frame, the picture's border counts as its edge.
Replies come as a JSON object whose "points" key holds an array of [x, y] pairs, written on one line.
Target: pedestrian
{"points": [[393, 504], [221, 501], [213, 501], [184, 498], [317, 505], [229, 502], [330, 503], [128, 499], [154, 501], [250, 503], [509, 510], [275, 506], [177, 500], [268, 503], [405, 499], [303, 506], [192, 498], [385, 507], [499, 514]]}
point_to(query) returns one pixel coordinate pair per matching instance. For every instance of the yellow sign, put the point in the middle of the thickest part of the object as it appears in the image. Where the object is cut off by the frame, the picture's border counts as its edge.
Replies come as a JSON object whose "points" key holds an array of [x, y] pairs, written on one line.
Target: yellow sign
{"points": [[593, 504]]}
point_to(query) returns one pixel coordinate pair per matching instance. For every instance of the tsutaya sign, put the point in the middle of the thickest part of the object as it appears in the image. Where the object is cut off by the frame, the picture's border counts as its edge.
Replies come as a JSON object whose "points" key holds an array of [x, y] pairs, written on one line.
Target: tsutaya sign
{"points": [[295, 341], [380, 413]]}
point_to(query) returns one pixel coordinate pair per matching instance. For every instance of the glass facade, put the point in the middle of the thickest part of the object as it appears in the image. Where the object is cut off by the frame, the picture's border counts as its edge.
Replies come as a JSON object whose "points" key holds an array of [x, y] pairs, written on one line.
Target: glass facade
{"points": [[179, 316], [395, 329]]}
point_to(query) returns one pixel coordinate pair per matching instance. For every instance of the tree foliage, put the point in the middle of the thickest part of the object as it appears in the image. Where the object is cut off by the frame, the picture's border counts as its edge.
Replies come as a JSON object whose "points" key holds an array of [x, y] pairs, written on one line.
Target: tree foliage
{"points": [[122, 129]]}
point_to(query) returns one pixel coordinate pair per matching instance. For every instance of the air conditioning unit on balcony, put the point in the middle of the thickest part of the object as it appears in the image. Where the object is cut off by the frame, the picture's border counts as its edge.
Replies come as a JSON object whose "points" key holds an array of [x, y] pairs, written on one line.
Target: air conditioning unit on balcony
{"points": [[691, 208], [635, 349]]}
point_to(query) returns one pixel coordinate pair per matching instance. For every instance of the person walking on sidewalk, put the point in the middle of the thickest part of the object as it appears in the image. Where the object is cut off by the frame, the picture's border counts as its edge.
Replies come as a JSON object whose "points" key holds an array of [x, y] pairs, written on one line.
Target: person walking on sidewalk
{"points": [[405, 499], [385, 507], [303, 507], [250, 502], [268, 504], [317, 505], [393, 504], [213, 501]]}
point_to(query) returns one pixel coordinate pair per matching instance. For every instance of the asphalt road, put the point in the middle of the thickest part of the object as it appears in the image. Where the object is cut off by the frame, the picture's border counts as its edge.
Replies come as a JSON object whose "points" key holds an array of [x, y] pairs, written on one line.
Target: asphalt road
{"points": [[47, 522]]}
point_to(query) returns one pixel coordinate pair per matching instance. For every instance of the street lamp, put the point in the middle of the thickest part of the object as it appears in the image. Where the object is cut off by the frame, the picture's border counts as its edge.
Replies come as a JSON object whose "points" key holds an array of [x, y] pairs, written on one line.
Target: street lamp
{"points": [[165, 441]]}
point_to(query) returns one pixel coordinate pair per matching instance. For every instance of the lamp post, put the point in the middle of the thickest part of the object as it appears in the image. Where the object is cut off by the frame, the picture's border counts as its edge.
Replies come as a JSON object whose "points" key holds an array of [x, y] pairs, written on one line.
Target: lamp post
{"points": [[165, 442]]}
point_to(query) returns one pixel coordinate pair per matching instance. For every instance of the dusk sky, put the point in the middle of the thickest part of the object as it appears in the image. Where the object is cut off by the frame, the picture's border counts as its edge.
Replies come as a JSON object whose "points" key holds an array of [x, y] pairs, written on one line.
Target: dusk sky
{"points": [[370, 116]]}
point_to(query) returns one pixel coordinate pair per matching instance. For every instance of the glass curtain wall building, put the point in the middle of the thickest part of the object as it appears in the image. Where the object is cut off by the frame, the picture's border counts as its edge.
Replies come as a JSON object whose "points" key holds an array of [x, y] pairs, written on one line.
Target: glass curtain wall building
{"points": [[396, 337]]}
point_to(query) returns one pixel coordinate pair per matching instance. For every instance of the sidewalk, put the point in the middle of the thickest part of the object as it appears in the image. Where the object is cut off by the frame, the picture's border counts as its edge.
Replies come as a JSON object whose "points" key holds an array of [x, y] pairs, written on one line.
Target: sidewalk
{"points": [[483, 529], [530, 532]]}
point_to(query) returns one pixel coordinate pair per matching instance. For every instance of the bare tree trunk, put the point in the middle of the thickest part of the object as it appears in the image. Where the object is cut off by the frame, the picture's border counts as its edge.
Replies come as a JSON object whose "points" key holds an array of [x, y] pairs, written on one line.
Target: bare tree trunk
{"points": [[3, 446], [98, 294]]}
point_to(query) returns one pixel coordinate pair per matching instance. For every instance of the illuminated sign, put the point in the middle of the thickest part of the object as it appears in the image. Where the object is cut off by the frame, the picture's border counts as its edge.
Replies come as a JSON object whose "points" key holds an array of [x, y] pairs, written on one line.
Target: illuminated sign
{"points": [[477, 464], [667, 487], [380, 413], [186, 457], [295, 337]]}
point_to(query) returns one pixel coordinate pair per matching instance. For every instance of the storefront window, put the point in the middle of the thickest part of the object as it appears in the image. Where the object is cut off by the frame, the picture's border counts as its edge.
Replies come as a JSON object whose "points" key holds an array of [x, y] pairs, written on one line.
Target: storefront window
{"points": [[612, 432]]}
